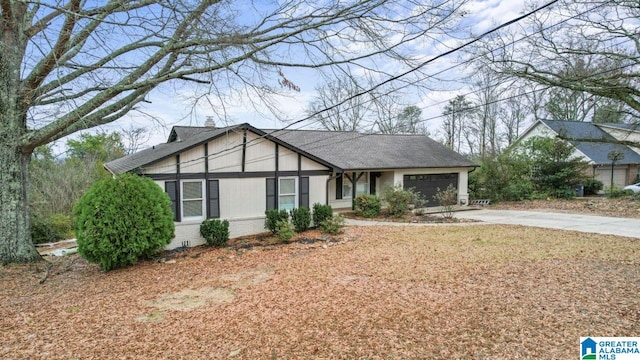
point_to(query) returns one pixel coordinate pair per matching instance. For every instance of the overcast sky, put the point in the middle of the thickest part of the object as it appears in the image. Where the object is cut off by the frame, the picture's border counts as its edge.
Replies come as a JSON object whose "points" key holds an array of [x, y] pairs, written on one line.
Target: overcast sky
{"points": [[172, 104]]}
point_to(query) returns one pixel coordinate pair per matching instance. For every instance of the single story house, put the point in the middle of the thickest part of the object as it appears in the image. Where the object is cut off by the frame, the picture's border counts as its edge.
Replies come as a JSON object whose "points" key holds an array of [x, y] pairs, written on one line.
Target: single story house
{"points": [[238, 172], [594, 142]]}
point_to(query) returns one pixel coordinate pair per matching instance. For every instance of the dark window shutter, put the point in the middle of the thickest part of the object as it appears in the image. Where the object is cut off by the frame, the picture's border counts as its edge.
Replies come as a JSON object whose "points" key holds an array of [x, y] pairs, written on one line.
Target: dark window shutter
{"points": [[339, 187], [271, 193], [304, 192], [171, 188], [214, 199]]}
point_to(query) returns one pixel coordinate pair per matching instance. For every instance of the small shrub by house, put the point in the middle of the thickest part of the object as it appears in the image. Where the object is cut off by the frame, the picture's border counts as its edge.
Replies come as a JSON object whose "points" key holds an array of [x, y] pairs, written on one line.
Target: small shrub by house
{"points": [[332, 225], [273, 217], [367, 205], [301, 218], [215, 231], [321, 213]]}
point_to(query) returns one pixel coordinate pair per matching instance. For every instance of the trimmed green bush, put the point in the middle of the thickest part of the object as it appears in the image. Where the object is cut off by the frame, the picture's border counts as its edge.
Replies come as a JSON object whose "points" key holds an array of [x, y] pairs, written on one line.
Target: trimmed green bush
{"points": [[592, 186], [321, 213], [215, 231], [120, 220], [368, 205], [284, 230], [301, 218], [333, 225], [273, 216], [399, 199]]}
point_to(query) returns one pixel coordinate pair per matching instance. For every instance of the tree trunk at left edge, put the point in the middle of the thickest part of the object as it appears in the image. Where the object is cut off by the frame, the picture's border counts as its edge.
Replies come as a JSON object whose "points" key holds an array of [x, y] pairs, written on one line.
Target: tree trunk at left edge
{"points": [[15, 235]]}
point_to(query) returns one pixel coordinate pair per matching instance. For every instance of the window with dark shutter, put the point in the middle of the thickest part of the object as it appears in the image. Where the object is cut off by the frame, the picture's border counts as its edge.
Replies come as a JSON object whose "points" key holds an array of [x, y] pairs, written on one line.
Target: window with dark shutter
{"points": [[213, 203], [271, 193], [171, 188], [339, 187], [304, 192]]}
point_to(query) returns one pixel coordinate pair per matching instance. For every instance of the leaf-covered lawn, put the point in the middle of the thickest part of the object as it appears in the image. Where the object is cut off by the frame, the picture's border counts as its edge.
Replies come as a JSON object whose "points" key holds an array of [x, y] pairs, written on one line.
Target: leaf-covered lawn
{"points": [[445, 292]]}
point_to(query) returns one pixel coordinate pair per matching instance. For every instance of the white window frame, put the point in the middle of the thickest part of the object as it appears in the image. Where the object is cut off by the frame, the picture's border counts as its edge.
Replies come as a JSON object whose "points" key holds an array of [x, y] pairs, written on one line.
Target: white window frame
{"points": [[202, 199], [364, 179], [296, 191], [347, 194]]}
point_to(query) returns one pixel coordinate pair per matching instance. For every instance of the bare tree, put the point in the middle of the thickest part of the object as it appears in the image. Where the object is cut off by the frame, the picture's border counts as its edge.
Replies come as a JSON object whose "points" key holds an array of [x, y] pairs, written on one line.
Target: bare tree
{"points": [[346, 111], [134, 138], [386, 107], [599, 36], [513, 117], [456, 115], [69, 65], [487, 91]]}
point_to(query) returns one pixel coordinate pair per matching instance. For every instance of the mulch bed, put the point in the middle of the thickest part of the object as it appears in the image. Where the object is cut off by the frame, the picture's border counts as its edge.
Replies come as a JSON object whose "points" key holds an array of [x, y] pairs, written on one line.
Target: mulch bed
{"points": [[409, 217]]}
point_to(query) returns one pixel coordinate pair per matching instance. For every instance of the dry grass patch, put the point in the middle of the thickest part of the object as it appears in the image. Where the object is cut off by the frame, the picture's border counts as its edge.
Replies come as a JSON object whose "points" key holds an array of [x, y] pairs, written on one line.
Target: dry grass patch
{"points": [[493, 292], [628, 206]]}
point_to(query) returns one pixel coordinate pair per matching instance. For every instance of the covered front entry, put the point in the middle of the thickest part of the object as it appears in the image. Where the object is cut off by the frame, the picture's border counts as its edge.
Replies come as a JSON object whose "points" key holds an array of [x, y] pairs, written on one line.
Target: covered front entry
{"points": [[428, 184]]}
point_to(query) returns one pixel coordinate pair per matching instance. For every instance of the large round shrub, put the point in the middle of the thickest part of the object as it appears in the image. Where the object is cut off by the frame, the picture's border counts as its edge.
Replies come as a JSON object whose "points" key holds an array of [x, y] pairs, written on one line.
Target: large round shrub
{"points": [[120, 220]]}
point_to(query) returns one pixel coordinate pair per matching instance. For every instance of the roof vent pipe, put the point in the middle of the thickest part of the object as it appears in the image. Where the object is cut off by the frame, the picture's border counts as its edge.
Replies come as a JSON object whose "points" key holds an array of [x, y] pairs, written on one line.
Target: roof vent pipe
{"points": [[209, 122]]}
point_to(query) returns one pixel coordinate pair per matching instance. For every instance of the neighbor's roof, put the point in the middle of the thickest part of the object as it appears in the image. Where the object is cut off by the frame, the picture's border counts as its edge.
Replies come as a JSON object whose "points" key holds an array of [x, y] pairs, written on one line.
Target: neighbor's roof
{"points": [[592, 141], [341, 150]]}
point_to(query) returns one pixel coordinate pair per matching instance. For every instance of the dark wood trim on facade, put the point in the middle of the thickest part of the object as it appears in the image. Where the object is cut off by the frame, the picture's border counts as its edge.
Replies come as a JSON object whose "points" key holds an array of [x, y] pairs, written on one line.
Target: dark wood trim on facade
{"points": [[244, 149], [206, 157], [237, 175], [178, 190], [277, 174]]}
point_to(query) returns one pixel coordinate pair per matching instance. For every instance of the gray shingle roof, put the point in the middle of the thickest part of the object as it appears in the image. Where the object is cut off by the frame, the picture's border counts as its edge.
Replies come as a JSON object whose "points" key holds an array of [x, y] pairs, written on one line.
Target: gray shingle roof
{"points": [[598, 149], [187, 140], [355, 151], [341, 150]]}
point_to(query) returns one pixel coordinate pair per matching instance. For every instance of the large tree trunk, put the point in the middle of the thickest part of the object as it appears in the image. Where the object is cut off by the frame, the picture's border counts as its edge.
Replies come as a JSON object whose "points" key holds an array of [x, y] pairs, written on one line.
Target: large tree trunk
{"points": [[15, 236]]}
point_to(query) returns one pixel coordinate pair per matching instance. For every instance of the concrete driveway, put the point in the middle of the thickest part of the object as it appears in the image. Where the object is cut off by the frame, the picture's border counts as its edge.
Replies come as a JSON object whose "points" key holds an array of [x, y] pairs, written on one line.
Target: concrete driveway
{"points": [[584, 223]]}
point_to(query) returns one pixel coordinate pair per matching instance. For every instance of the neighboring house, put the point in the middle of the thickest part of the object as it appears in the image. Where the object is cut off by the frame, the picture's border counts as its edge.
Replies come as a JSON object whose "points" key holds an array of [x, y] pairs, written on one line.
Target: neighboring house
{"points": [[594, 142], [238, 172]]}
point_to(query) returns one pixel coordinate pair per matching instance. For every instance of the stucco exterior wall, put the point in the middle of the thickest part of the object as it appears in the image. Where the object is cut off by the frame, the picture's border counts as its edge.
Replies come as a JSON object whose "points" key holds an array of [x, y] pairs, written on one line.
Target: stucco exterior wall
{"points": [[308, 164], [192, 161], [242, 198], [287, 159], [188, 233], [242, 203], [260, 154], [166, 166], [317, 189], [225, 153]]}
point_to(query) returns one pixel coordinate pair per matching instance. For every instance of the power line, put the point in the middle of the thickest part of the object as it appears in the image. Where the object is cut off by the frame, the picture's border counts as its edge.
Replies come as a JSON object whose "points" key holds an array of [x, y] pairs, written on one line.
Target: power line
{"points": [[251, 142], [396, 77]]}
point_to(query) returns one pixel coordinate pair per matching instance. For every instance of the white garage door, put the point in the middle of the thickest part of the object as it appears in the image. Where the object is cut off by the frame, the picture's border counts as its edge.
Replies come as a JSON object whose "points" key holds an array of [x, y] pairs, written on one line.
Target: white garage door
{"points": [[619, 176]]}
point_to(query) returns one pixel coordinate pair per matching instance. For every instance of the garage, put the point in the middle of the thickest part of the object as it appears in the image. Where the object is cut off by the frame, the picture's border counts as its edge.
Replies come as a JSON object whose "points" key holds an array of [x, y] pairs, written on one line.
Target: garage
{"points": [[619, 176], [428, 184]]}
